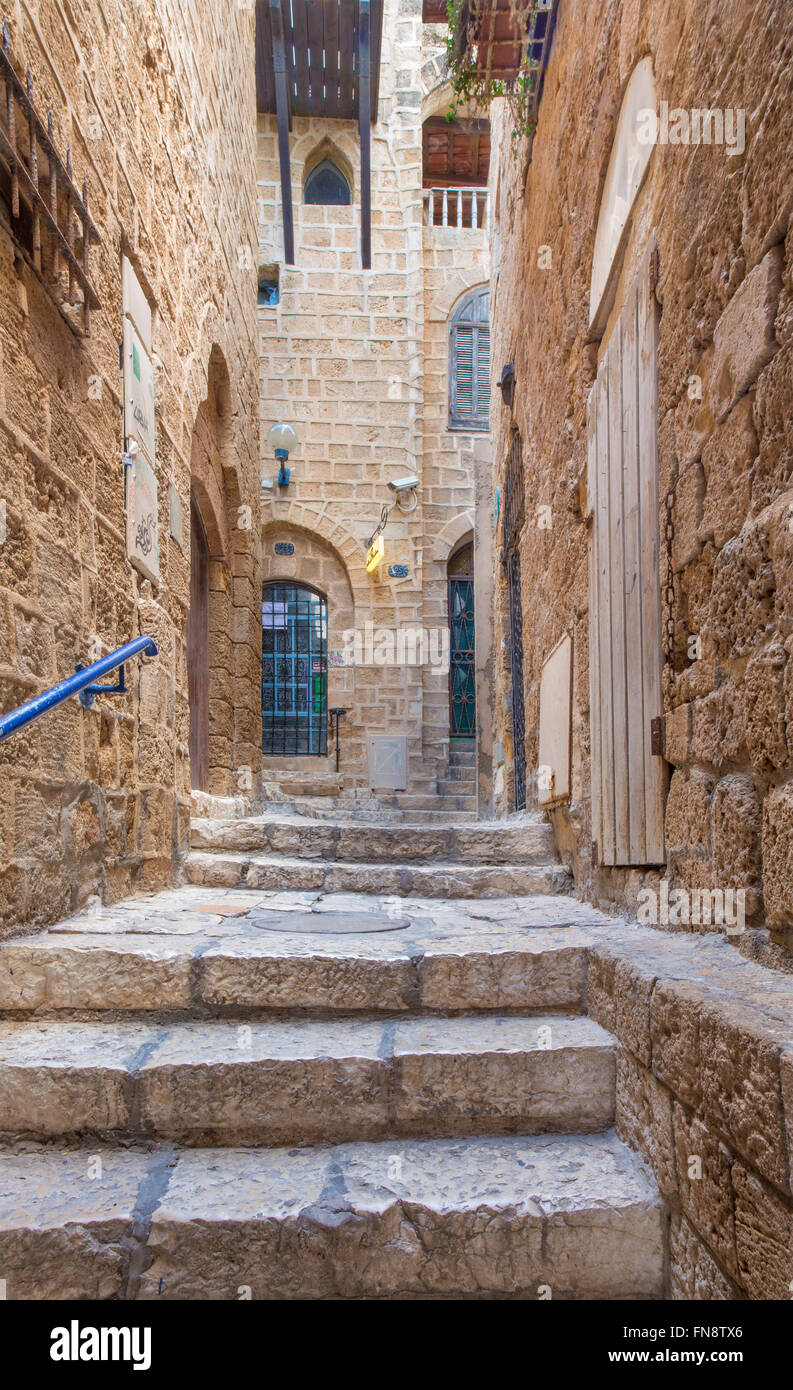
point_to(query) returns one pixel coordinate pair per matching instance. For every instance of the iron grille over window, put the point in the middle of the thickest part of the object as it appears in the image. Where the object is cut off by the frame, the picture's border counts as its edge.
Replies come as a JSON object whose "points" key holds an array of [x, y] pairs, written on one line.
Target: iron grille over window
{"points": [[469, 363], [294, 670], [327, 184], [45, 214], [514, 496]]}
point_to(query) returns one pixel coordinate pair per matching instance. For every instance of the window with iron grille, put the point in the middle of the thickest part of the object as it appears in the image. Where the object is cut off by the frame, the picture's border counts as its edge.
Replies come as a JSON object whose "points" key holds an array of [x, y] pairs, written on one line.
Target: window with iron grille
{"points": [[514, 494], [469, 363], [294, 670]]}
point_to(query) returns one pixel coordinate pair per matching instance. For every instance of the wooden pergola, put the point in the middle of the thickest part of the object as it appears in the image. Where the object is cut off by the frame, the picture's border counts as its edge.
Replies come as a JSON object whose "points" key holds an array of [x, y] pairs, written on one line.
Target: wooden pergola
{"points": [[320, 58]]}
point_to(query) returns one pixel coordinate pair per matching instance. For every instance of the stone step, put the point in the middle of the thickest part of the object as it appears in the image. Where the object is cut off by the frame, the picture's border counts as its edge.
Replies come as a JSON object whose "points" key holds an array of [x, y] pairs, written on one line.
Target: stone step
{"points": [[328, 840], [437, 803], [462, 757], [306, 1081], [196, 951], [497, 1217], [437, 880], [452, 790], [460, 772]]}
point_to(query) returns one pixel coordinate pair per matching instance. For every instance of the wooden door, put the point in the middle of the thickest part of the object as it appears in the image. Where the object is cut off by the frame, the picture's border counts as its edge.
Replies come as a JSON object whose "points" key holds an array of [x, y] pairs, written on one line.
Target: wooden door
{"points": [[626, 659], [198, 652]]}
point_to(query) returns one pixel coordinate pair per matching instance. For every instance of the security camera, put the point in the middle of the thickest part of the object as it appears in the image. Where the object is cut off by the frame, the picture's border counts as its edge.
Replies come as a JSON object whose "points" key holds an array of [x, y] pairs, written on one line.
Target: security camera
{"points": [[404, 484]]}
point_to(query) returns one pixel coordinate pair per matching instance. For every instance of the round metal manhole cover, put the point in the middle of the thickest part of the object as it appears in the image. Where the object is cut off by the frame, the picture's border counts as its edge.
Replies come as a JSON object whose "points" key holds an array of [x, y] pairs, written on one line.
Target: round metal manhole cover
{"points": [[327, 923]]}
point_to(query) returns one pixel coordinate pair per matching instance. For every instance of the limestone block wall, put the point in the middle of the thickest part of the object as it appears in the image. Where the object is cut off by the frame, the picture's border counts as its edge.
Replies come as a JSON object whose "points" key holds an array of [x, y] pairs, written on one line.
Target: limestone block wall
{"points": [[157, 105], [357, 362], [722, 224]]}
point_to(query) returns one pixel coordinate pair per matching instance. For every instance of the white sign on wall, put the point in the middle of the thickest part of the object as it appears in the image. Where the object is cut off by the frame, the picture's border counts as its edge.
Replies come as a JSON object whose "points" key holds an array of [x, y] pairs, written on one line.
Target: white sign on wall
{"points": [[138, 392], [143, 542], [553, 773]]}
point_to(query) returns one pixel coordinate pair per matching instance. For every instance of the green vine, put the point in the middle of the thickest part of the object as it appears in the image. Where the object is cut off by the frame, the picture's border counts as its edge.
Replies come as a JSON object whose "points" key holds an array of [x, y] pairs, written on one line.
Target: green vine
{"points": [[471, 86]]}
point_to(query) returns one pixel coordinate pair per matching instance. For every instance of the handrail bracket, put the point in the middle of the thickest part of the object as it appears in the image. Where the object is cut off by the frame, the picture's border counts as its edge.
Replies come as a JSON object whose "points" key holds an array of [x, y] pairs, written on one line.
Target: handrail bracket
{"points": [[88, 694]]}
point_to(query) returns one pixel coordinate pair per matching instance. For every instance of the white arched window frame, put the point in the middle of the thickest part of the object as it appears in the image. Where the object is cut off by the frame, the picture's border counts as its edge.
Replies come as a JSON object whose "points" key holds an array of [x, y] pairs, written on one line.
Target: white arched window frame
{"points": [[469, 363], [633, 145]]}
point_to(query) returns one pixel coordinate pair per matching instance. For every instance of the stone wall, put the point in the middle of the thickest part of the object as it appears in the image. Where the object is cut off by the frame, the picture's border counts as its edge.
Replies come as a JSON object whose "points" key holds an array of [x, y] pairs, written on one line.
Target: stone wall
{"points": [[96, 802], [705, 1093], [722, 226], [357, 362]]}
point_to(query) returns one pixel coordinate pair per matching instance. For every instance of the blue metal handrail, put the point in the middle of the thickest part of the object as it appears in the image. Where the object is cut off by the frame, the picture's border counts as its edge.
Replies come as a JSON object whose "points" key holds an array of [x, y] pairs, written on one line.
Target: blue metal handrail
{"points": [[81, 684]]}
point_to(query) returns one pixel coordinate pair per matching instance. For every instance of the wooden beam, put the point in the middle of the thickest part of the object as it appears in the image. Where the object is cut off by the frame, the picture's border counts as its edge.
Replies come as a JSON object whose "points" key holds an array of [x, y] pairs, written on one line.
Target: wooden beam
{"points": [[282, 115], [365, 129]]}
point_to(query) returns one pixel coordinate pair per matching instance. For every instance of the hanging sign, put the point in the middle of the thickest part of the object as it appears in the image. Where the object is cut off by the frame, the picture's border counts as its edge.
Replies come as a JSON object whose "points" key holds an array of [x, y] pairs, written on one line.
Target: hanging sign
{"points": [[143, 542], [375, 553]]}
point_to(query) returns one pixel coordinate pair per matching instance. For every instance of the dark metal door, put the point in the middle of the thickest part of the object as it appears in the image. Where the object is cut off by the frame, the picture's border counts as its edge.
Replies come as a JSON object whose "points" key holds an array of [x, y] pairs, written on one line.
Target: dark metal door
{"points": [[516, 662], [462, 677], [294, 670]]}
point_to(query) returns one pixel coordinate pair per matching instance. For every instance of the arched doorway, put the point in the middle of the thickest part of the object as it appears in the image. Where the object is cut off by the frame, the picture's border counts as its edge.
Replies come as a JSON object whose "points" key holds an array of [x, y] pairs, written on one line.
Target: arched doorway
{"points": [[198, 651], [294, 670], [462, 674]]}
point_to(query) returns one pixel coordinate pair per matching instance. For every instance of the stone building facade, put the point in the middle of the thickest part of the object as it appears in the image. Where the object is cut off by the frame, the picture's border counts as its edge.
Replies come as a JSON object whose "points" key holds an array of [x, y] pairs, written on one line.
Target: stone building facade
{"points": [[358, 364], [710, 224], [96, 803], [657, 332]]}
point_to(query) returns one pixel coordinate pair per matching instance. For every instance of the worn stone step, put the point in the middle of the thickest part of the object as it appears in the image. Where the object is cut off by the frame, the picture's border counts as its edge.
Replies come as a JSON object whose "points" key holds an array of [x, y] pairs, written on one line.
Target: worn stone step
{"points": [[437, 802], [306, 1081], [196, 951], [486, 1217], [460, 772], [305, 839], [437, 880]]}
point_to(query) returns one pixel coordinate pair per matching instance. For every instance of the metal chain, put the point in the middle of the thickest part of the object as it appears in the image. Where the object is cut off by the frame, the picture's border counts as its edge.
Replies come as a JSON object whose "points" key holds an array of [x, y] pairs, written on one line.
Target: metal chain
{"points": [[379, 528], [669, 591]]}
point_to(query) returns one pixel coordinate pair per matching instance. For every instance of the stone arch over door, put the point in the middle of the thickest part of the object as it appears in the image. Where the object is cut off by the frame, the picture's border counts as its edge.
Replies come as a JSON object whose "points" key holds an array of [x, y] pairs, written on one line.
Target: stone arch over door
{"points": [[294, 555]]}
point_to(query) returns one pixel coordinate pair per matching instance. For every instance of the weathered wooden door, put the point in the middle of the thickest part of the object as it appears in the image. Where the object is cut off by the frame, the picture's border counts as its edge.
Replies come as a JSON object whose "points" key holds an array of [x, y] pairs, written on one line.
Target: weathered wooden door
{"points": [[626, 660], [198, 652]]}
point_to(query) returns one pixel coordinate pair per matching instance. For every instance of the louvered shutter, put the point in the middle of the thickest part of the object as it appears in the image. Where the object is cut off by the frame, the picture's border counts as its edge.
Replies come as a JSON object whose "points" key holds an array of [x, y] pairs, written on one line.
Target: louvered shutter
{"points": [[482, 406], [463, 386], [469, 363]]}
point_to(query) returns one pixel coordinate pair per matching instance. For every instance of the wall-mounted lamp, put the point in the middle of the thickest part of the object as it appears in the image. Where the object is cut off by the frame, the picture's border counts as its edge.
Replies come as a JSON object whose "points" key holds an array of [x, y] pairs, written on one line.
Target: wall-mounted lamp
{"points": [[506, 383], [282, 439]]}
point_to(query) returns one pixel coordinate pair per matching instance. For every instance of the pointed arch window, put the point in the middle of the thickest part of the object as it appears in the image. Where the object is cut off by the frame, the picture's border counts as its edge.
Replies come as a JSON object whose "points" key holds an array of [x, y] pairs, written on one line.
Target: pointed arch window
{"points": [[469, 363], [327, 185]]}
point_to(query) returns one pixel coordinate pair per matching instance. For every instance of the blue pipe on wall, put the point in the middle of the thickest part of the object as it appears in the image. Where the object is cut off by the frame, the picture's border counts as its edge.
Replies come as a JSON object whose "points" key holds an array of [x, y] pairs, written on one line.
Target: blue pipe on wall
{"points": [[73, 685]]}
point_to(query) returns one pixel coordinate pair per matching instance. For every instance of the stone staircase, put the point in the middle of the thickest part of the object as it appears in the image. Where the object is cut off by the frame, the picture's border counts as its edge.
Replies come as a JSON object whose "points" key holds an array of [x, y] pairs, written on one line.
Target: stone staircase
{"points": [[342, 1062]]}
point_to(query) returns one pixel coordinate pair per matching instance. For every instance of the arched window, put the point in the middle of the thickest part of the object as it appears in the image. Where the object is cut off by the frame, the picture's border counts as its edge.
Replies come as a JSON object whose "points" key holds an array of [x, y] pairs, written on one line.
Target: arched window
{"points": [[469, 363], [294, 670], [327, 184]]}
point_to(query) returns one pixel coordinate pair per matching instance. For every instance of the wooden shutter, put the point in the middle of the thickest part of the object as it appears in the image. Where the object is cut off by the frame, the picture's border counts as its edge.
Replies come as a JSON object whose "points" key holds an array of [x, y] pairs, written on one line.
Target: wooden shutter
{"points": [[483, 372], [628, 782], [463, 379], [469, 363]]}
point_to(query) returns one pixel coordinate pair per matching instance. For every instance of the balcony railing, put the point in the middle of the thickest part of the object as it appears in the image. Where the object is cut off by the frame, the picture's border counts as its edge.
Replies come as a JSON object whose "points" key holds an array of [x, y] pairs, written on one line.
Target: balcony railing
{"points": [[457, 207]]}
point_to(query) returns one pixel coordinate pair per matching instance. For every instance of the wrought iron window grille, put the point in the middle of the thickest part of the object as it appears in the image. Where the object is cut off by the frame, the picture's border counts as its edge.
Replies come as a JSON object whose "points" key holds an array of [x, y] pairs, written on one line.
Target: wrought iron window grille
{"points": [[514, 492], [48, 218]]}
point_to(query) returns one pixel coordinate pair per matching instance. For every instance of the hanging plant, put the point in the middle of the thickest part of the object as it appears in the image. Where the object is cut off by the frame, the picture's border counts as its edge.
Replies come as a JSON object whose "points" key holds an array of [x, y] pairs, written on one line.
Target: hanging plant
{"points": [[477, 78]]}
